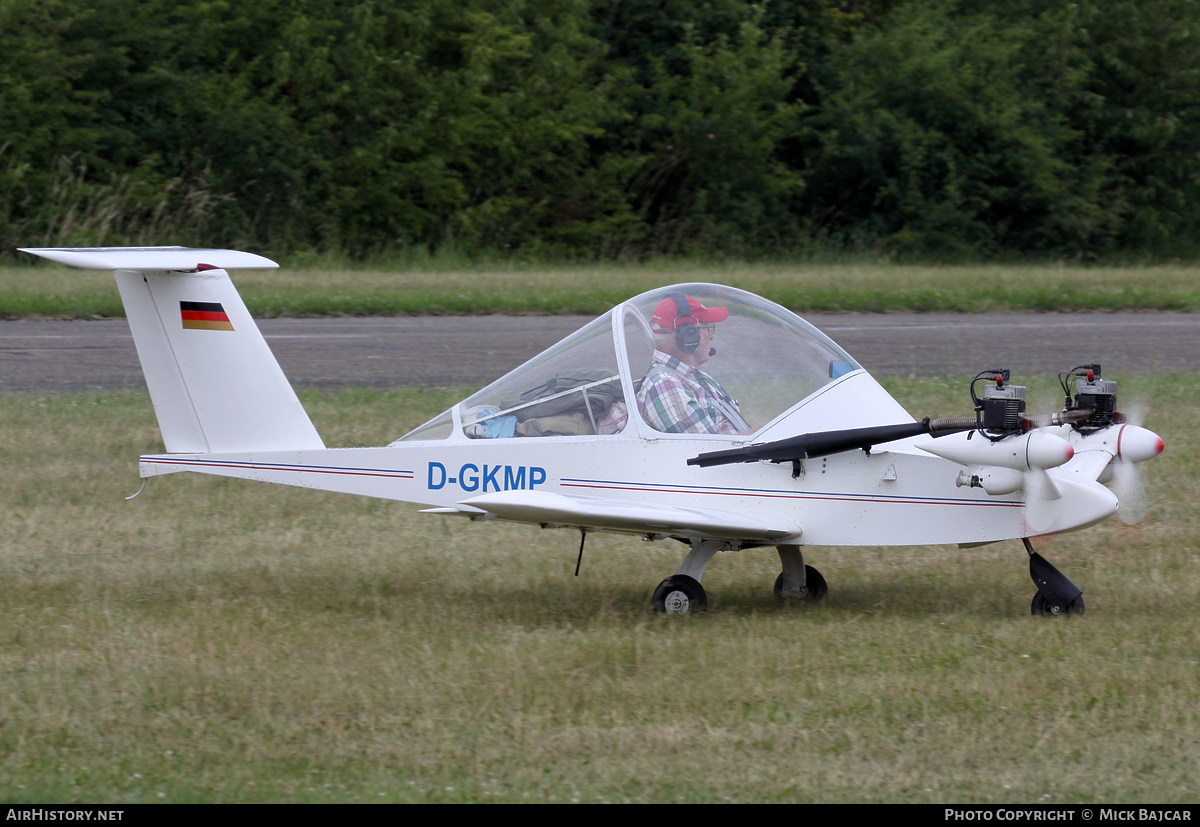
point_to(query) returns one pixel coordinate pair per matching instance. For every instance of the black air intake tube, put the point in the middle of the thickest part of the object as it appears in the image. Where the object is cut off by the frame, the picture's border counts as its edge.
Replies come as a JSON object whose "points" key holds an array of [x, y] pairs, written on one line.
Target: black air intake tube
{"points": [[807, 446]]}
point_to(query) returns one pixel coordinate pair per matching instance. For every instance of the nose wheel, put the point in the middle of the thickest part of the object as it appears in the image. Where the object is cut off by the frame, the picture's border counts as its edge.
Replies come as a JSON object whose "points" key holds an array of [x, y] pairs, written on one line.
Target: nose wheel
{"points": [[1056, 596], [1042, 607]]}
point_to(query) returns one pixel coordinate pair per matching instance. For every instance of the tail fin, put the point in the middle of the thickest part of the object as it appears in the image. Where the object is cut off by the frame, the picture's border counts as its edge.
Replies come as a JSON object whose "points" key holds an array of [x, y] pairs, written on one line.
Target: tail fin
{"points": [[215, 384]]}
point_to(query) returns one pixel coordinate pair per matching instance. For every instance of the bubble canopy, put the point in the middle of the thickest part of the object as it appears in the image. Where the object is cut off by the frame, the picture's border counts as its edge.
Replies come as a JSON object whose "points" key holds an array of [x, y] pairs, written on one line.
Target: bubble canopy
{"points": [[759, 360]]}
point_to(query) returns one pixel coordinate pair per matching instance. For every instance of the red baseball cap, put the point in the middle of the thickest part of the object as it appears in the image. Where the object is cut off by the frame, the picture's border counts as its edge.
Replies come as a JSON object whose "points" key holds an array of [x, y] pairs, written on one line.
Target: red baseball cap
{"points": [[667, 313]]}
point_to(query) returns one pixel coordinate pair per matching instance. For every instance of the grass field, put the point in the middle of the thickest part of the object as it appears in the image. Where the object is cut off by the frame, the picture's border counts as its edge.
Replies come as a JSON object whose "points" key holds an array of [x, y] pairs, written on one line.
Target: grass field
{"points": [[54, 291], [222, 640]]}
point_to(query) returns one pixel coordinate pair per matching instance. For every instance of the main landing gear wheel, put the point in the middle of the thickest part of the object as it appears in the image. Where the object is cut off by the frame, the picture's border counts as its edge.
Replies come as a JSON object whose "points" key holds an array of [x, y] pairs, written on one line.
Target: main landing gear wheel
{"points": [[1042, 608], [680, 595], [813, 581]]}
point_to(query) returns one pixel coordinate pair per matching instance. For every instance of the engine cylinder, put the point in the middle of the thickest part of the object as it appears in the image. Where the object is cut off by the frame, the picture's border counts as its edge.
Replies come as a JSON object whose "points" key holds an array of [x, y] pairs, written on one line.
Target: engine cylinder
{"points": [[1100, 397], [1003, 407]]}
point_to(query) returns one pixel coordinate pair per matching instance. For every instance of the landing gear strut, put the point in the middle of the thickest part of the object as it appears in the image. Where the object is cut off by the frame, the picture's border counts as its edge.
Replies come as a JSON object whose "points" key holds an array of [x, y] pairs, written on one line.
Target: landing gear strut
{"points": [[1056, 594], [815, 586], [682, 594], [798, 581]]}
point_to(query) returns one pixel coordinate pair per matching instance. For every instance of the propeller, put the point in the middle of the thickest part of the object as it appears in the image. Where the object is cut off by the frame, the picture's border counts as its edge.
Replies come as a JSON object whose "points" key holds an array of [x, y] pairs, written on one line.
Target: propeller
{"points": [[1130, 489], [1135, 445]]}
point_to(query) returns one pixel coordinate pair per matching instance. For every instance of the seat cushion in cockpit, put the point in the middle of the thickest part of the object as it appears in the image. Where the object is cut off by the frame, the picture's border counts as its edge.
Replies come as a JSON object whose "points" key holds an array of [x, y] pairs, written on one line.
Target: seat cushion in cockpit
{"points": [[566, 424]]}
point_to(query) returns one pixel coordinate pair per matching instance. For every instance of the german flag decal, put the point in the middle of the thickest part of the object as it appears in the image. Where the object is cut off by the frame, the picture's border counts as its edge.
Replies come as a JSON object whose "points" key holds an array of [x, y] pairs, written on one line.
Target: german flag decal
{"points": [[204, 316]]}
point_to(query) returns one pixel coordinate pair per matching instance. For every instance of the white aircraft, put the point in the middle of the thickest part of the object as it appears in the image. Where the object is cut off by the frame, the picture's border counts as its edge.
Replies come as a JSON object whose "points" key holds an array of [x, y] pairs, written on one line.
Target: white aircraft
{"points": [[814, 452]]}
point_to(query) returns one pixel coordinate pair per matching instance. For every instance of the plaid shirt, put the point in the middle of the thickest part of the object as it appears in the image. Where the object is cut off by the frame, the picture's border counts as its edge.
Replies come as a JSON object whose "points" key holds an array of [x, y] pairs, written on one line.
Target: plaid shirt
{"points": [[679, 399]]}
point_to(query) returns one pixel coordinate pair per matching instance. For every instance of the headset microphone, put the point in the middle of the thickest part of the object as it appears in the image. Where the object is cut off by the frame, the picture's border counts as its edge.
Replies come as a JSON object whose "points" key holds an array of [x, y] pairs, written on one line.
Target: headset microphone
{"points": [[712, 351]]}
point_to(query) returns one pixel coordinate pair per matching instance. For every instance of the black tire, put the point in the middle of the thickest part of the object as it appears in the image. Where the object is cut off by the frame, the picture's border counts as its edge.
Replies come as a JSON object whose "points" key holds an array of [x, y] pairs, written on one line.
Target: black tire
{"points": [[1039, 607], [813, 580], [680, 595]]}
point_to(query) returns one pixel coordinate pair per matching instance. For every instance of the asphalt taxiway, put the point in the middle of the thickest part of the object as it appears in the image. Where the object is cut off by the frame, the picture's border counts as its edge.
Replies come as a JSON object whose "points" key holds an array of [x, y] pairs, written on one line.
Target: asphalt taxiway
{"points": [[463, 351]]}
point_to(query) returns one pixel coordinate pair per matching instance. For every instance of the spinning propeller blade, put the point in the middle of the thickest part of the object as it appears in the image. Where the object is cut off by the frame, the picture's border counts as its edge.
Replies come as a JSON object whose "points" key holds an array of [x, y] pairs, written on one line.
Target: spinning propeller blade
{"points": [[1039, 484], [1135, 445], [1129, 487]]}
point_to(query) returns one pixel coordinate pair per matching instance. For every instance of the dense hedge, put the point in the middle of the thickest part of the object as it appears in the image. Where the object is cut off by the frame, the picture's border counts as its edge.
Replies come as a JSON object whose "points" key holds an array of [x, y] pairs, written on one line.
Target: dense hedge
{"points": [[603, 128]]}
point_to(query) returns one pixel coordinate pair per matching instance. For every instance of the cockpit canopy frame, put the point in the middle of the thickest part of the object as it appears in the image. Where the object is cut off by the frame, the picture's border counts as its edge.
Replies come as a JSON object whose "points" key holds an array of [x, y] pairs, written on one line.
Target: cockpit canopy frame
{"points": [[767, 358]]}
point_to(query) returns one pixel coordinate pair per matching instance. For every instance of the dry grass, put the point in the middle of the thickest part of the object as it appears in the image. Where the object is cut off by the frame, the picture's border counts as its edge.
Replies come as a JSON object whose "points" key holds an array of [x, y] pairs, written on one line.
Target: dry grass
{"points": [[220, 640], [53, 291]]}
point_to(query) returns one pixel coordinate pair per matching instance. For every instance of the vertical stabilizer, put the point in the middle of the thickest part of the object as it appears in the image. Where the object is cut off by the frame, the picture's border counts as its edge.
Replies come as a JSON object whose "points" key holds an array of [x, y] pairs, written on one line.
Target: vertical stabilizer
{"points": [[215, 384]]}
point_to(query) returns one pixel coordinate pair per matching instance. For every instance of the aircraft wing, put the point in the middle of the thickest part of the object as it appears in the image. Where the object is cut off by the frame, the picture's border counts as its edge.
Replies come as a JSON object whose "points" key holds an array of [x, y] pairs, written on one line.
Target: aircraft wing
{"points": [[544, 507], [1085, 465]]}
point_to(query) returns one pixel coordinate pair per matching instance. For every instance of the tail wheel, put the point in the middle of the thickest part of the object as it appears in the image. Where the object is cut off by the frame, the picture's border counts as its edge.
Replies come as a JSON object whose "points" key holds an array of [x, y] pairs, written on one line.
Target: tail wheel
{"points": [[814, 582], [680, 595]]}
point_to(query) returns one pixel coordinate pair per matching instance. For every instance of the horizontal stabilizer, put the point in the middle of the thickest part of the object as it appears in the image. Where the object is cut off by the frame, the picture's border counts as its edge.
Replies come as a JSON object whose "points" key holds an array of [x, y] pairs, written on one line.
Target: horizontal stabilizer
{"points": [[150, 258], [623, 515]]}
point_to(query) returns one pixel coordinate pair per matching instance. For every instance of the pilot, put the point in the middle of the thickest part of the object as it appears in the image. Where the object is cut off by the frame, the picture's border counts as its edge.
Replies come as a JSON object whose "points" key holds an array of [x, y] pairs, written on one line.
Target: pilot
{"points": [[676, 396]]}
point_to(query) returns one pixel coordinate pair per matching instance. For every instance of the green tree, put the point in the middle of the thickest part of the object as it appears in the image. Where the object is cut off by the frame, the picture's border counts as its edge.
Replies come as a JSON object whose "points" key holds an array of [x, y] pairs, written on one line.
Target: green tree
{"points": [[1138, 111], [933, 141], [713, 179]]}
